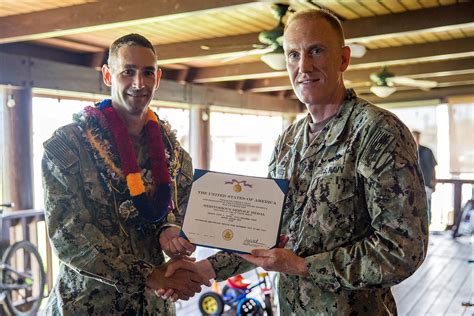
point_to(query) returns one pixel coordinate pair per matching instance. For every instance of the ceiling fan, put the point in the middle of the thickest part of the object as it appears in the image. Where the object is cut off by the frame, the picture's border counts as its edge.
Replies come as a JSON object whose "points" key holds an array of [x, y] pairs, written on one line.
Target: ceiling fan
{"points": [[271, 43], [384, 83]]}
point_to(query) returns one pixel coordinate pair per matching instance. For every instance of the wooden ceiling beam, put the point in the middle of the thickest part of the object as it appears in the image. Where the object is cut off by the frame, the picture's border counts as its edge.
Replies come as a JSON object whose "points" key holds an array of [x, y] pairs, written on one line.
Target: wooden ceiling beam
{"points": [[453, 80], [70, 45], [441, 67], [233, 72], [446, 81], [269, 84], [46, 52], [408, 54], [206, 49], [101, 15], [409, 22], [418, 95], [57, 77], [357, 30]]}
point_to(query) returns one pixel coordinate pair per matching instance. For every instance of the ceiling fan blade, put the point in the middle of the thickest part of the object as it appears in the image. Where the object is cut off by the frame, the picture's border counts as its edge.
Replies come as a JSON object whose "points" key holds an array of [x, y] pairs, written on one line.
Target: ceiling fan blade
{"points": [[280, 40], [405, 81], [382, 91], [228, 47], [248, 53]]}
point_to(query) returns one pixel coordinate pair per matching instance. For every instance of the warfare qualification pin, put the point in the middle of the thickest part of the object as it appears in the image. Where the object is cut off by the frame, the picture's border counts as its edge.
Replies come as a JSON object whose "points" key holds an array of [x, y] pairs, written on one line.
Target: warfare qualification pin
{"points": [[170, 217]]}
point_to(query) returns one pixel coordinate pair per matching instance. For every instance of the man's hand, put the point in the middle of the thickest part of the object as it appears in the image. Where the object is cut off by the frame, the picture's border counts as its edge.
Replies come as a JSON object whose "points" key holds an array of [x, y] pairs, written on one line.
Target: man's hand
{"points": [[203, 268], [173, 245], [184, 283], [279, 260]]}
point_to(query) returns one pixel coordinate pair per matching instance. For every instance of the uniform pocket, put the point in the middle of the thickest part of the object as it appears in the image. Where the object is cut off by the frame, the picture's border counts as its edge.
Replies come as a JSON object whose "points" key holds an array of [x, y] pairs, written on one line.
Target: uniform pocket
{"points": [[330, 209], [100, 204], [285, 166]]}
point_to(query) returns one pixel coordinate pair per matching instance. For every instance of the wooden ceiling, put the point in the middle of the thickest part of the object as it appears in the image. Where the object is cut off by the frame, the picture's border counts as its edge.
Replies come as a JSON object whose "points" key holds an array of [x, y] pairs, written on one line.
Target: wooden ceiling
{"points": [[205, 42]]}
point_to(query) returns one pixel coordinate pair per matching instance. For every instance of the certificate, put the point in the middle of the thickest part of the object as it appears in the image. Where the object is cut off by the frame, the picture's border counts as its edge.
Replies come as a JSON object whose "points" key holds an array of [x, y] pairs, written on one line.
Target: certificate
{"points": [[233, 212]]}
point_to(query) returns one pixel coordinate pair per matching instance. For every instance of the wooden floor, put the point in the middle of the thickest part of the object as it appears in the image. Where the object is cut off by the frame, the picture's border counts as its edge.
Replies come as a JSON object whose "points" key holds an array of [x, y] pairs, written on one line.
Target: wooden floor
{"points": [[439, 287], [443, 283]]}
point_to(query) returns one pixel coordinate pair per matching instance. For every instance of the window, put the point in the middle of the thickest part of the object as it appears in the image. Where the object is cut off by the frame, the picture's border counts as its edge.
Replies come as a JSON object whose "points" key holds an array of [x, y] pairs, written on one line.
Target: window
{"points": [[248, 152], [243, 143], [461, 141]]}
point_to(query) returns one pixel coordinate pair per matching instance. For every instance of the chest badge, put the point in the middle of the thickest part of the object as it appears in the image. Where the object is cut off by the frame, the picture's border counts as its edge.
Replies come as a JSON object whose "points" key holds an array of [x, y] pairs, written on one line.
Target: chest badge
{"points": [[170, 217]]}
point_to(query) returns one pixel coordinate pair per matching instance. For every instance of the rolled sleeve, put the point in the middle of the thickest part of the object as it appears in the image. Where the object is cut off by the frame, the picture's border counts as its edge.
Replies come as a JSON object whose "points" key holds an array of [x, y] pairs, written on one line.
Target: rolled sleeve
{"points": [[226, 265], [321, 270]]}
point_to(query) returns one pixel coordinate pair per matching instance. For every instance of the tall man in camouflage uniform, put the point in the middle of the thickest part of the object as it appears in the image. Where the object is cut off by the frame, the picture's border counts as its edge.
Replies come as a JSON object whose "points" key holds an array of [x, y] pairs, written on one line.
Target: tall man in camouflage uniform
{"points": [[355, 214], [111, 254]]}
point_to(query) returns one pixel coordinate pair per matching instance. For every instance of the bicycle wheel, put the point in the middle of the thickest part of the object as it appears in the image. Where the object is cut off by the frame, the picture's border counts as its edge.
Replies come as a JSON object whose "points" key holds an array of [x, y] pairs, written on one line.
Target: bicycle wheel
{"points": [[23, 279], [249, 306], [211, 303]]}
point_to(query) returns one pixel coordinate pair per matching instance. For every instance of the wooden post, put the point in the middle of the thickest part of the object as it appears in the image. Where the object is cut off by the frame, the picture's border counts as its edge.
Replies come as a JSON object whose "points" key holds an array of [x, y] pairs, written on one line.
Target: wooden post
{"points": [[199, 140], [3, 148], [18, 147]]}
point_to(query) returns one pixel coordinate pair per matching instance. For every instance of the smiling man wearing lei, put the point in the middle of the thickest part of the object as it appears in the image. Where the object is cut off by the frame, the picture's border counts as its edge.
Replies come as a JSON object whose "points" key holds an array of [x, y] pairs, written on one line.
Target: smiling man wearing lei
{"points": [[116, 185]]}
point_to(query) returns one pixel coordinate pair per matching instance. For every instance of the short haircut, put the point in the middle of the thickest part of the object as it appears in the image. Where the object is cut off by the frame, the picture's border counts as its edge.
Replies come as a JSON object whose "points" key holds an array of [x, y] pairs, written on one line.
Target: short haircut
{"points": [[314, 14], [132, 39]]}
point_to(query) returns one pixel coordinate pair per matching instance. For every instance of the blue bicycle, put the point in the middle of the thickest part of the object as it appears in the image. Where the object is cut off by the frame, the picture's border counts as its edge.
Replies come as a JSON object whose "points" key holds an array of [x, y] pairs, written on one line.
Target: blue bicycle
{"points": [[235, 294]]}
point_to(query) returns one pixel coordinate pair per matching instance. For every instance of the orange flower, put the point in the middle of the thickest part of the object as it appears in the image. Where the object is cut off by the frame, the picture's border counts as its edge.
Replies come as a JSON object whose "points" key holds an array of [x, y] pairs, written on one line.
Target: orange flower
{"points": [[151, 116], [135, 184]]}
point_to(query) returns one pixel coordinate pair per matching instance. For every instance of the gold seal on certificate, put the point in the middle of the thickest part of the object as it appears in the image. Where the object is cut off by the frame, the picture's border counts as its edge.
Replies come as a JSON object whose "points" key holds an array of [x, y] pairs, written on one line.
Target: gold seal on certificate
{"points": [[233, 212]]}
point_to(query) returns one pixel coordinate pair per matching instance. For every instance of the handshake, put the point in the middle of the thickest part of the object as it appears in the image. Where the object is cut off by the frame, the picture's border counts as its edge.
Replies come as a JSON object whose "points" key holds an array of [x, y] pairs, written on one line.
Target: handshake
{"points": [[188, 276], [180, 278]]}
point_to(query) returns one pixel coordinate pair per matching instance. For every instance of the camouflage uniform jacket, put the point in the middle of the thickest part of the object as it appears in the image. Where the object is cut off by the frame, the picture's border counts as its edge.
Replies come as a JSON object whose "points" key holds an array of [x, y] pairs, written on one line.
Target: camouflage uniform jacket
{"points": [[106, 250], [356, 211]]}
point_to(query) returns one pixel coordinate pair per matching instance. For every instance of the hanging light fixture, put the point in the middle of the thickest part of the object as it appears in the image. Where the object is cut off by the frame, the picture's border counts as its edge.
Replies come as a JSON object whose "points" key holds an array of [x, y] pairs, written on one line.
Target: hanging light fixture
{"points": [[275, 59], [382, 91]]}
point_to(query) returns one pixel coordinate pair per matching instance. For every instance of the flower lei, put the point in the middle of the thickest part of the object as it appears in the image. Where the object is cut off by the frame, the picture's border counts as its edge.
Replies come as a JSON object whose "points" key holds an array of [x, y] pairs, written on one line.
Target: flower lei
{"points": [[151, 210]]}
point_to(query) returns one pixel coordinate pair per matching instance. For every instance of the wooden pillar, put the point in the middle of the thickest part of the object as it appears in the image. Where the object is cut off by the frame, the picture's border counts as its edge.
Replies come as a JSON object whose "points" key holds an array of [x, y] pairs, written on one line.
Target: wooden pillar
{"points": [[18, 147], [3, 148], [199, 141]]}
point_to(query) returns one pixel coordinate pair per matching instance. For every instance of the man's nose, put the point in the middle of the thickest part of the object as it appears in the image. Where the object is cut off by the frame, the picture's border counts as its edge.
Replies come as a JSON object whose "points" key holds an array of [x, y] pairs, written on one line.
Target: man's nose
{"points": [[305, 64], [138, 81]]}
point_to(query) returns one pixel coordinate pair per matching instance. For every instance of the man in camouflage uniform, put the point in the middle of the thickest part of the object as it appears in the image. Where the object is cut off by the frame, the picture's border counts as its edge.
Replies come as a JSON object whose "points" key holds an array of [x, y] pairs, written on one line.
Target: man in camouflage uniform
{"points": [[111, 257], [355, 213]]}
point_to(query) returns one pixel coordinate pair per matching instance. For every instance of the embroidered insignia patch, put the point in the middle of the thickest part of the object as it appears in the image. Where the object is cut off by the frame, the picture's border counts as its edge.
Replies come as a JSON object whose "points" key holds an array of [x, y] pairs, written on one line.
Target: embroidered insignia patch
{"points": [[59, 152]]}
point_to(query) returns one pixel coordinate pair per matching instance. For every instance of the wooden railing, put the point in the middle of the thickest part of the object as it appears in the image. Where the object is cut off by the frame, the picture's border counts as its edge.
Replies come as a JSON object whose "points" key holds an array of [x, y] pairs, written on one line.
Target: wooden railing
{"points": [[28, 225], [457, 194]]}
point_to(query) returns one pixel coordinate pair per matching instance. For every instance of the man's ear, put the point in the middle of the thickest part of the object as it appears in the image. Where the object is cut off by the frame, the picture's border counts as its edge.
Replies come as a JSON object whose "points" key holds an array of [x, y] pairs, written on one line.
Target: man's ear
{"points": [[345, 57], [158, 77], [107, 75]]}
